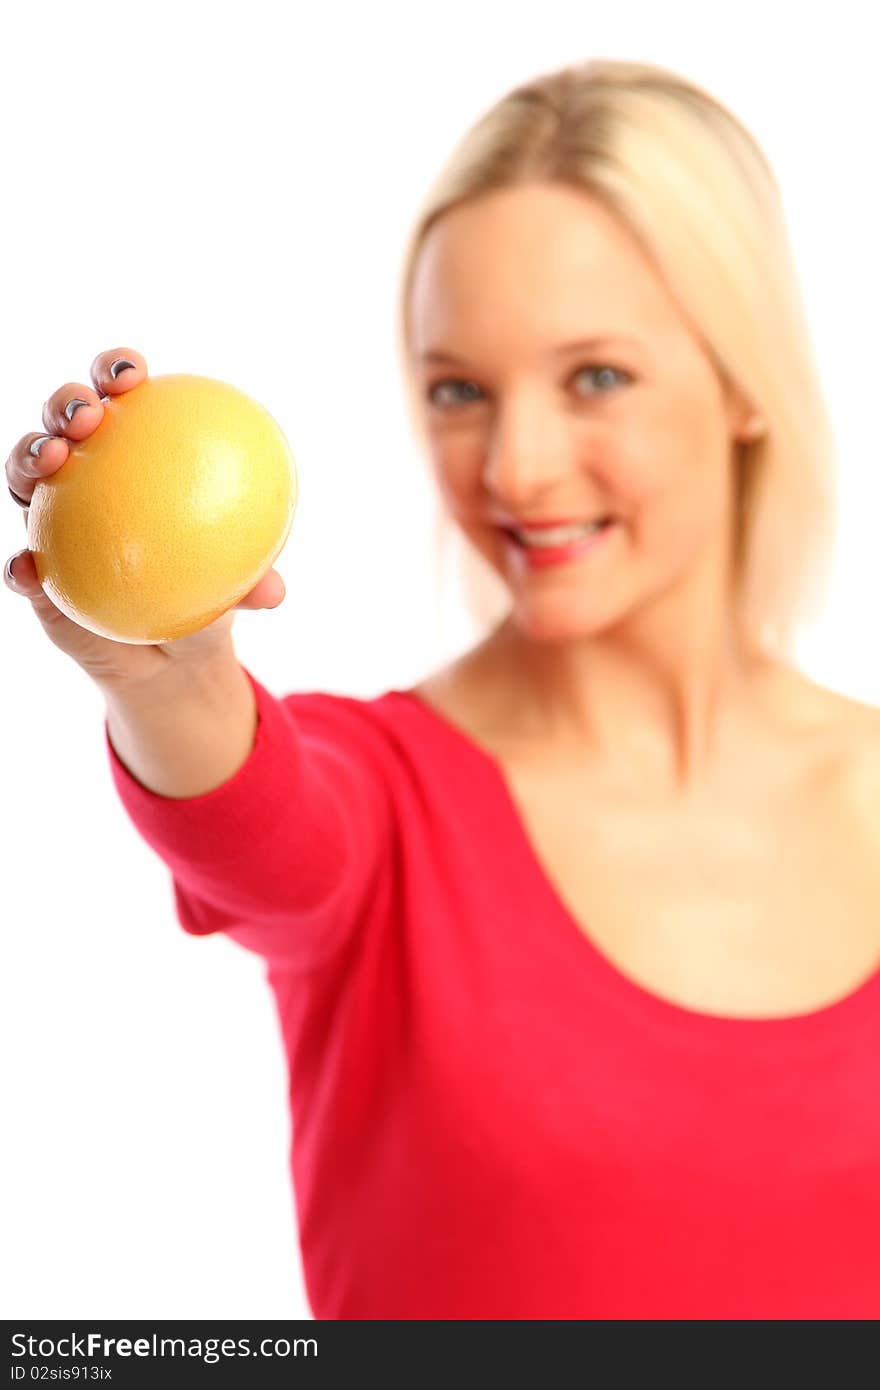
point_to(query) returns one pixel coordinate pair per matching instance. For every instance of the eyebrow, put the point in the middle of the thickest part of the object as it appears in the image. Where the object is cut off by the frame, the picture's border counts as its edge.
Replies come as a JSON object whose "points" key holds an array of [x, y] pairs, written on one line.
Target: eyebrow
{"points": [[599, 340]]}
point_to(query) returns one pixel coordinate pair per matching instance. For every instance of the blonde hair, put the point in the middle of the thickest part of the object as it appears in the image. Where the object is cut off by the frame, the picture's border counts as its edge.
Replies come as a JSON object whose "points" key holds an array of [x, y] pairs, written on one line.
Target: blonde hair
{"points": [[681, 171]]}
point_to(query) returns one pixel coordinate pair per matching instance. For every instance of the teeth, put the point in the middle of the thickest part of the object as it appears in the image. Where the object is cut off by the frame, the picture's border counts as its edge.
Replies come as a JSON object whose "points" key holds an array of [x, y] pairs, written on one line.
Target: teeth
{"points": [[556, 535]]}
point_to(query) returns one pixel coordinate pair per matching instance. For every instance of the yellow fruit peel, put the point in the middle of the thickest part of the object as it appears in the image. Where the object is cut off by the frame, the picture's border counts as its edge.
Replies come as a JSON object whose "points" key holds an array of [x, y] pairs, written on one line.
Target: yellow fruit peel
{"points": [[168, 514]]}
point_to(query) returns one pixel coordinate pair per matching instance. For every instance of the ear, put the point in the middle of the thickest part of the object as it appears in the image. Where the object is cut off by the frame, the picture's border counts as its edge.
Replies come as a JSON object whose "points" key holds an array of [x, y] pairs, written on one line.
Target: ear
{"points": [[744, 421]]}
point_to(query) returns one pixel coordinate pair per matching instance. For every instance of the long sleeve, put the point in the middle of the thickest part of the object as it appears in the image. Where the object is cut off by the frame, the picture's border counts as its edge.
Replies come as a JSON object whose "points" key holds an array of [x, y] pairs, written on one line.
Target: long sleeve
{"points": [[283, 855], [489, 1118]]}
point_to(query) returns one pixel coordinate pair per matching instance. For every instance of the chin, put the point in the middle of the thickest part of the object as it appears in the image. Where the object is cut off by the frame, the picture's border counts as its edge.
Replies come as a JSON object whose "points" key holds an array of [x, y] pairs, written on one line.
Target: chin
{"points": [[557, 621]]}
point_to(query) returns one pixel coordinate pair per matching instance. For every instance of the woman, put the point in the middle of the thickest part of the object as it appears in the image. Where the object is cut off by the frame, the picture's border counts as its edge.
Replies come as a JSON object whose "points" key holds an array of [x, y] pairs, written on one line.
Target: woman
{"points": [[575, 944]]}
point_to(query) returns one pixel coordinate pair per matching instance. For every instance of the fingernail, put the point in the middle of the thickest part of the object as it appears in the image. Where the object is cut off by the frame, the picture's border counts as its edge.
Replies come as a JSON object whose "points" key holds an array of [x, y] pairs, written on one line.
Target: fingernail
{"points": [[120, 365], [73, 406], [8, 571], [36, 445]]}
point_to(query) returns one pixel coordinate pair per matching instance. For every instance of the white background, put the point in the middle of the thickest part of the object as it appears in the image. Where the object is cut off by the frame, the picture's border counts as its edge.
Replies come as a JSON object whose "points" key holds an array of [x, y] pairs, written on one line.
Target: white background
{"points": [[228, 188]]}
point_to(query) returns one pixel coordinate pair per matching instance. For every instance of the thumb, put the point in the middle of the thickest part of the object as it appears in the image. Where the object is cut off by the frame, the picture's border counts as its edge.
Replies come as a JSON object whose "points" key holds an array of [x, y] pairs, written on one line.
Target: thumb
{"points": [[268, 592]]}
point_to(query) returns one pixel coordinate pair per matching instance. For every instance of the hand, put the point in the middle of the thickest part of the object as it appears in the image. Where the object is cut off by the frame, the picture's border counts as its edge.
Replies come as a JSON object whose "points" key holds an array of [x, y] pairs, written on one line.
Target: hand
{"points": [[111, 664]]}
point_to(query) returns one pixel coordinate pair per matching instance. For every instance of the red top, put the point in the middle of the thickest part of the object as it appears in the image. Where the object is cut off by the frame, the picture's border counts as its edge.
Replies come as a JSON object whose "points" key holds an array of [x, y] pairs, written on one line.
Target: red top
{"points": [[489, 1119]]}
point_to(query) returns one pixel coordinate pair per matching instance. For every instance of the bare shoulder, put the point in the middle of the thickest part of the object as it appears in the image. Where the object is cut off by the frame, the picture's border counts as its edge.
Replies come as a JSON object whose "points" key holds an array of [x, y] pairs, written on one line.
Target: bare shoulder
{"points": [[462, 694], [831, 738], [851, 735], [448, 691], [862, 759], [855, 722]]}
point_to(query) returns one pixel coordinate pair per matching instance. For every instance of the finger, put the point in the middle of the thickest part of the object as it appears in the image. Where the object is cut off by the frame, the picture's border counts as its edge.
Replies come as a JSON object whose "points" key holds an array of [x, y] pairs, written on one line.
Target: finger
{"points": [[35, 456], [118, 370], [74, 411], [269, 592], [20, 574]]}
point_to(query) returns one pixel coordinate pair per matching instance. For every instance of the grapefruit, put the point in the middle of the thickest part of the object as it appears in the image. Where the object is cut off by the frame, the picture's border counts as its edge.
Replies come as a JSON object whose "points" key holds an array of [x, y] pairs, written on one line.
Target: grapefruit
{"points": [[168, 514]]}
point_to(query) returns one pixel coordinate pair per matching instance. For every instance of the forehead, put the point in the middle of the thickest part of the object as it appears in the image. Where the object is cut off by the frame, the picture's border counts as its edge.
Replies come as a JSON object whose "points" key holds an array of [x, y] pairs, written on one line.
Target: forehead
{"points": [[539, 258]]}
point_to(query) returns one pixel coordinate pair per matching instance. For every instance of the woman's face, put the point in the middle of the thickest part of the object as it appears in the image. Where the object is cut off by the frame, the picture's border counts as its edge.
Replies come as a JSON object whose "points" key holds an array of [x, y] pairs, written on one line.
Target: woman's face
{"points": [[523, 428]]}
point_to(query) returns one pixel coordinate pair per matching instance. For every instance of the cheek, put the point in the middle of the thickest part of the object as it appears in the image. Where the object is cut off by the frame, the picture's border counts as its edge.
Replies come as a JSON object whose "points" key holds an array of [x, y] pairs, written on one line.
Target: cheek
{"points": [[675, 495], [456, 470], [678, 515]]}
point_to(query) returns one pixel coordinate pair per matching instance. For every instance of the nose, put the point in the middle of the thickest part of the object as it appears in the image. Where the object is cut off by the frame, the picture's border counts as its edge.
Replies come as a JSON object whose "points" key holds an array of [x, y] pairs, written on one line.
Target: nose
{"points": [[531, 455]]}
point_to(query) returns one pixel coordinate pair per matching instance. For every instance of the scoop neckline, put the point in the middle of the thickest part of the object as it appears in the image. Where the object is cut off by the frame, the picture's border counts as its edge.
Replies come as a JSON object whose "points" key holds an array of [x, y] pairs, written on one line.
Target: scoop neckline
{"points": [[820, 1026]]}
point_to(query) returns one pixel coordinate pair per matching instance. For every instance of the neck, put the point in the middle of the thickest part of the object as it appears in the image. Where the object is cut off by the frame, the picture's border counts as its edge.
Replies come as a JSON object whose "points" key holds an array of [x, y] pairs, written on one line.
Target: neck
{"points": [[652, 696]]}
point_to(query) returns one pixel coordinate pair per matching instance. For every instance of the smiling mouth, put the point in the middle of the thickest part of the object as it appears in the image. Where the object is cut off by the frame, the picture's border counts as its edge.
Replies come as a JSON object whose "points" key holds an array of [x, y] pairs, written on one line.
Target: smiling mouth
{"points": [[556, 537], [538, 558]]}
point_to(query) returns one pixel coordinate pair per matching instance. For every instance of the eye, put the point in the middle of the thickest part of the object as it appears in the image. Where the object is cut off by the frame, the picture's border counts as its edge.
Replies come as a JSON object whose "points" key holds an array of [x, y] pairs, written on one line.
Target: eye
{"points": [[430, 393], [600, 370]]}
